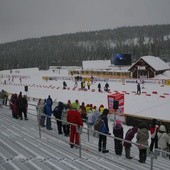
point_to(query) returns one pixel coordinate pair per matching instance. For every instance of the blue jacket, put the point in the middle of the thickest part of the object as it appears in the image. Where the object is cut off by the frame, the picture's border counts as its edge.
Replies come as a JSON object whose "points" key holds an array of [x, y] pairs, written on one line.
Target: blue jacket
{"points": [[48, 110], [104, 125]]}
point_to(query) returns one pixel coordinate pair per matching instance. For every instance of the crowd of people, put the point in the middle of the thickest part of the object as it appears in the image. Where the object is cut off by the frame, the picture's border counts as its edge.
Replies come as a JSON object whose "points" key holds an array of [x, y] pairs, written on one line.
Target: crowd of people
{"points": [[19, 105], [160, 139], [86, 85], [71, 115]]}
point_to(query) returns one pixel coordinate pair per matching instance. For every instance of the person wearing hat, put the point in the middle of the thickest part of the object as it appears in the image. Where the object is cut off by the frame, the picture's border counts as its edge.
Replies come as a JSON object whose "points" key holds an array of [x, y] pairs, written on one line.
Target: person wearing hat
{"points": [[74, 117], [118, 133], [163, 140]]}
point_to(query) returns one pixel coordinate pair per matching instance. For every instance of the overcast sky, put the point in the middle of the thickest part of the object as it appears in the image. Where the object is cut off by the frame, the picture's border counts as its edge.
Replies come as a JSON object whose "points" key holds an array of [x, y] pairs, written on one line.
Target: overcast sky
{"points": [[20, 19]]}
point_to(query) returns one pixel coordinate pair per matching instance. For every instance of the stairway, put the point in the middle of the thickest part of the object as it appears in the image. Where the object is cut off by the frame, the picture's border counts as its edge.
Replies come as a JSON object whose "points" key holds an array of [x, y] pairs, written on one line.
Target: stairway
{"points": [[21, 148]]}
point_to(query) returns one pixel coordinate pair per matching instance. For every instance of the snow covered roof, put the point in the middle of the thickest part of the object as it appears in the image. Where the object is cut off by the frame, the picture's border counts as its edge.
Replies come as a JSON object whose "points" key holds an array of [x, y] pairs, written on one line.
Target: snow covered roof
{"points": [[155, 62], [96, 64]]}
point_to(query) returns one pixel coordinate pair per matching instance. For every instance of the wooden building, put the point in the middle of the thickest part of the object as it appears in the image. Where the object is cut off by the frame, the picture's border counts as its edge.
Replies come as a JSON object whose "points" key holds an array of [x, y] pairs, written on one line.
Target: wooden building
{"points": [[148, 67]]}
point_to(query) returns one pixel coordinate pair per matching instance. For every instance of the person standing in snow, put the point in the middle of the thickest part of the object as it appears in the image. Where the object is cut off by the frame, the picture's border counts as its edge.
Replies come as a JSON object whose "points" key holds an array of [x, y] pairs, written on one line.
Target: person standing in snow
{"points": [[106, 87], [129, 136], [64, 85], [118, 133], [168, 148], [99, 87], [138, 88]]}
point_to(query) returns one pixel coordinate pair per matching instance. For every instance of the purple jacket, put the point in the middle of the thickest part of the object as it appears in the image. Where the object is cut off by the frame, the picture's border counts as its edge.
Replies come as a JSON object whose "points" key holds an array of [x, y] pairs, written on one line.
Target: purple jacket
{"points": [[118, 131], [129, 136]]}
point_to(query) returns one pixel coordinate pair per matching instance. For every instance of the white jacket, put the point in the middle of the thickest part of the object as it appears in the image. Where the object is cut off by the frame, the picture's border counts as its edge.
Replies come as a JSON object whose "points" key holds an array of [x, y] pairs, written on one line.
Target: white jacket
{"points": [[90, 118], [163, 138]]}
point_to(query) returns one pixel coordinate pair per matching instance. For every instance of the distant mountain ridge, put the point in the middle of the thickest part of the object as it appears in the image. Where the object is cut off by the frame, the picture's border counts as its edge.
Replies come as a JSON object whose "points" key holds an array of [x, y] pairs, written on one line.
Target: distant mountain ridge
{"points": [[72, 49]]}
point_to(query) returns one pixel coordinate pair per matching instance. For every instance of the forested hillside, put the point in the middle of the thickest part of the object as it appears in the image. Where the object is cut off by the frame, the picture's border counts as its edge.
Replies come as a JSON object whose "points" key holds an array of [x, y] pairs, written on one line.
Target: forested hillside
{"points": [[72, 49]]}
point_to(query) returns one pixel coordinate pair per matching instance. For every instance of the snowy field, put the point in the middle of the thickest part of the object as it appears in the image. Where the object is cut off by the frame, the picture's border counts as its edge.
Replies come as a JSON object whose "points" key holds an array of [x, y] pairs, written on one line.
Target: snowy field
{"points": [[147, 104]]}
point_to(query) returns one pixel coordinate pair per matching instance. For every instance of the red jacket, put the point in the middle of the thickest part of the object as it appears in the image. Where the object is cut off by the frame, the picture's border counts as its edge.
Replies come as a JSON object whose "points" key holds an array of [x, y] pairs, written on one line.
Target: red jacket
{"points": [[73, 116], [154, 130]]}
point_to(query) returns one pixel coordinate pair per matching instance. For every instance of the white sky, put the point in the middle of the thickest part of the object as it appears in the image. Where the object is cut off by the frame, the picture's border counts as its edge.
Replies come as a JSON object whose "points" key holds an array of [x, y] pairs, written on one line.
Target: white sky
{"points": [[149, 106], [21, 19]]}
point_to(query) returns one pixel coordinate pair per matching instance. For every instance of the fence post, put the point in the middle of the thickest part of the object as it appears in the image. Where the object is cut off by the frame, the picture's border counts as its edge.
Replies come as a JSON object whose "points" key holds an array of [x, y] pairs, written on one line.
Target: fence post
{"points": [[88, 133], [39, 127], [79, 131], [39, 130], [152, 156]]}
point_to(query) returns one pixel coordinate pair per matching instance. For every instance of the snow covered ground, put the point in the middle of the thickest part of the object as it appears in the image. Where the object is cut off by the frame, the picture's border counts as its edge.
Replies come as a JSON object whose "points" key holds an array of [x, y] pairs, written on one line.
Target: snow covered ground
{"points": [[147, 104], [152, 106]]}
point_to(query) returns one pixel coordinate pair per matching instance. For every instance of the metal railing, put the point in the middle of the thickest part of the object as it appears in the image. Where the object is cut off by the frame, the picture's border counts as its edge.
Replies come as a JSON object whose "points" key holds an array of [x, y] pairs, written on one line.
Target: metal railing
{"points": [[153, 155]]}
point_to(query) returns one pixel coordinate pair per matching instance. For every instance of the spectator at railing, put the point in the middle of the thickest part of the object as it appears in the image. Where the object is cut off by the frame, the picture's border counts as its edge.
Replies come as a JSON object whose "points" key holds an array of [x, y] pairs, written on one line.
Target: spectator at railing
{"points": [[129, 136], [73, 116], [163, 140], [154, 137], [118, 132], [142, 139], [138, 89], [13, 106], [83, 111], [48, 112], [66, 126], [22, 105], [90, 119], [50, 101], [57, 112], [96, 115], [40, 113], [103, 128], [168, 149]]}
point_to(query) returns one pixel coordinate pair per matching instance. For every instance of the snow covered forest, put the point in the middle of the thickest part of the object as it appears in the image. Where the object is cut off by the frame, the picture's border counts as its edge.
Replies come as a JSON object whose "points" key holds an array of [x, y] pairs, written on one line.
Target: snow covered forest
{"points": [[72, 49]]}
